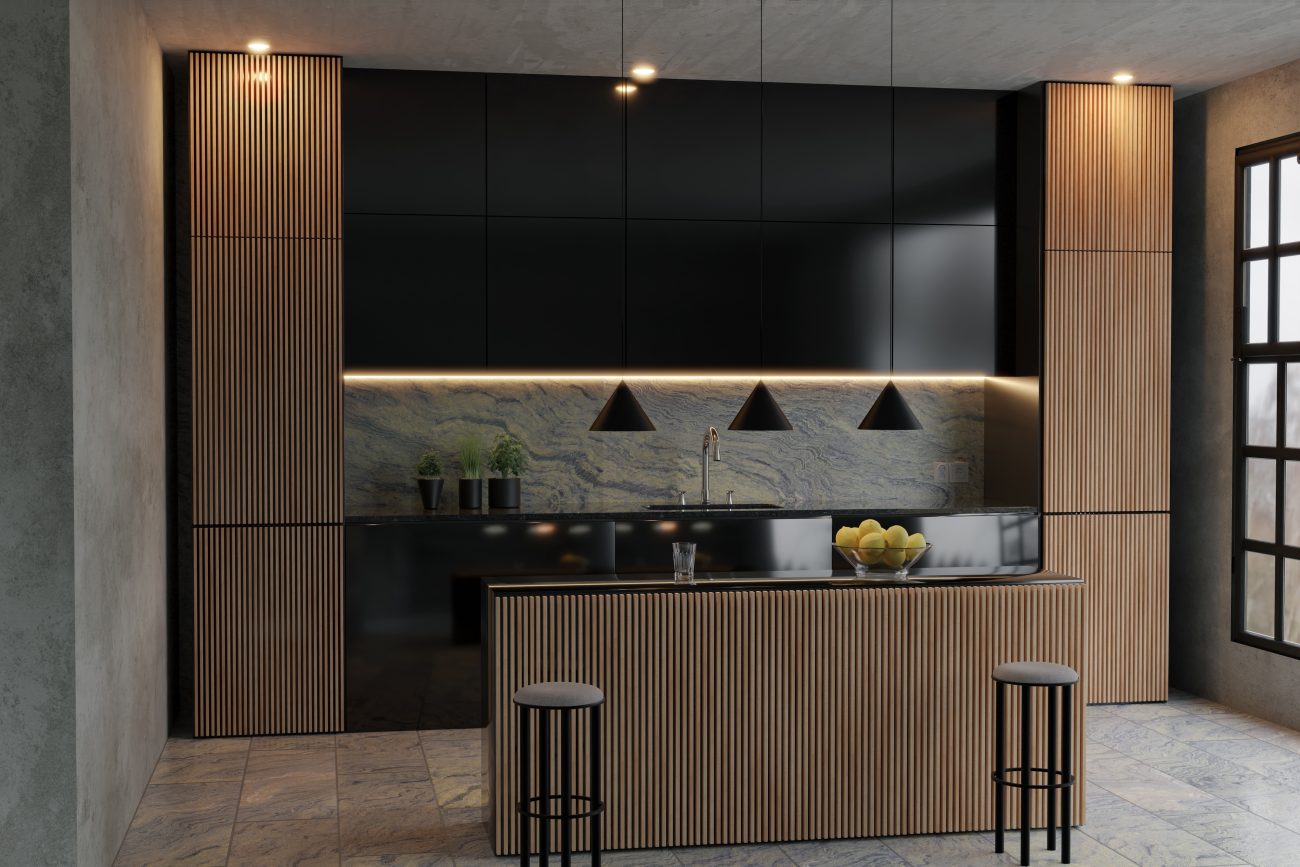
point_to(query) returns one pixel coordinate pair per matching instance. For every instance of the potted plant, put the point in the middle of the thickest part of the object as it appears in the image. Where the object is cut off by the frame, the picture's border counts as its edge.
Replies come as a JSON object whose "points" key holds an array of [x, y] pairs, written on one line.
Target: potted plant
{"points": [[428, 475], [508, 460], [471, 473]]}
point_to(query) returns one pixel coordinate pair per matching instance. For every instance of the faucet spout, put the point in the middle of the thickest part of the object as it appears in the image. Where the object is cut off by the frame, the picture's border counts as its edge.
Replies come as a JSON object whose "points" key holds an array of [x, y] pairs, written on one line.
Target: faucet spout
{"points": [[710, 451]]}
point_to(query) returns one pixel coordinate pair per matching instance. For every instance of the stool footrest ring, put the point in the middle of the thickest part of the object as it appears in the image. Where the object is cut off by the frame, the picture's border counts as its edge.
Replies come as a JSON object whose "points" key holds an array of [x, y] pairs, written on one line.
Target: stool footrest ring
{"points": [[596, 810], [999, 777]]}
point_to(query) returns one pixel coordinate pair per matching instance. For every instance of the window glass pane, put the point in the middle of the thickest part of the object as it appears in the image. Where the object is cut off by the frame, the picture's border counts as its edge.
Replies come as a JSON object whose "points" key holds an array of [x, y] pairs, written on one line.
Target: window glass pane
{"points": [[1256, 278], [1291, 599], [1291, 505], [1260, 589], [1293, 405], [1261, 491], [1261, 404], [1288, 177], [1256, 205], [1288, 298]]}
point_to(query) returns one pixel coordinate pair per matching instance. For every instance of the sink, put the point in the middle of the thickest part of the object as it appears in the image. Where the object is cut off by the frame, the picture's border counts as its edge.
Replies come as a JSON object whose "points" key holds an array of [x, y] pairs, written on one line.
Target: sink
{"points": [[708, 507]]}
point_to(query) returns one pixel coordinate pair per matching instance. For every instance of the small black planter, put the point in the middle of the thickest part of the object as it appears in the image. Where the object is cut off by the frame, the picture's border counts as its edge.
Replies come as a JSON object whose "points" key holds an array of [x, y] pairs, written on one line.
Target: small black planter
{"points": [[471, 493], [430, 492], [503, 493]]}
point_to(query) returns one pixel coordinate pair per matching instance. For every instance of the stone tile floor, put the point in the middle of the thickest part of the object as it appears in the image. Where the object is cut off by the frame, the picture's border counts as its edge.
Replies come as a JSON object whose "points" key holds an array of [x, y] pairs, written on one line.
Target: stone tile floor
{"points": [[1185, 783]]}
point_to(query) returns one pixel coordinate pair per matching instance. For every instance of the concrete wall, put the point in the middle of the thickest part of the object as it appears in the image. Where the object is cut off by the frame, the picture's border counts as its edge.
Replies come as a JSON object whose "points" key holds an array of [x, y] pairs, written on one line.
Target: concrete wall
{"points": [[119, 415], [1208, 128], [37, 756]]}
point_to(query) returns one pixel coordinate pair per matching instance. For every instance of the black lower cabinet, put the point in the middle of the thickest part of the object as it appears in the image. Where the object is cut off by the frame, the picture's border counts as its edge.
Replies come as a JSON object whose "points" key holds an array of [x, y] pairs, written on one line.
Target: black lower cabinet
{"points": [[725, 544]]}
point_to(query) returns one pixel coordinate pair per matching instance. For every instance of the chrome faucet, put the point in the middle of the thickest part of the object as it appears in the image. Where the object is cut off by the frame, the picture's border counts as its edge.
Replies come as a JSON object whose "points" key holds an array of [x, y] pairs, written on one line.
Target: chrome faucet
{"points": [[710, 439]]}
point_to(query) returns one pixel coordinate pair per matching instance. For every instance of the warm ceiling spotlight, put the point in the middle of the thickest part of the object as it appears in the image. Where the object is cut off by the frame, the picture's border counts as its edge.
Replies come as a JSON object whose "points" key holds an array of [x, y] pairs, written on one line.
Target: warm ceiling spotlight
{"points": [[1122, 78], [625, 89], [643, 73], [259, 46]]}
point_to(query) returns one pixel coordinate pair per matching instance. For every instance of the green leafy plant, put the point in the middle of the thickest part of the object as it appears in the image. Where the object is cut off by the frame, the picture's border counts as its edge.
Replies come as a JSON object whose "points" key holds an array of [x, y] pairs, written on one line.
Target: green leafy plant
{"points": [[507, 456], [428, 467], [471, 458]]}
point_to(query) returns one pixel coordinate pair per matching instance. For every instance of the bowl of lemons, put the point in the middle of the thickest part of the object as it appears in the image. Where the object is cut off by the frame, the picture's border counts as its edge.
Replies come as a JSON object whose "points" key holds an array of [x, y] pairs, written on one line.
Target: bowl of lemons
{"points": [[880, 552]]}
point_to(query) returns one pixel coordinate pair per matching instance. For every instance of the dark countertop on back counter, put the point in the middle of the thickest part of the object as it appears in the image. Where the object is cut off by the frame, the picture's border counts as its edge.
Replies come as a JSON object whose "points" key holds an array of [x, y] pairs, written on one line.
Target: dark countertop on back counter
{"points": [[762, 581], [632, 512]]}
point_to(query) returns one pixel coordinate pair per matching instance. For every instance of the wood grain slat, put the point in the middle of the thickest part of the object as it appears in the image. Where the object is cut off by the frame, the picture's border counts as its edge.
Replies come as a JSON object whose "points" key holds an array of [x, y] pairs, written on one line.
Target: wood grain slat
{"points": [[800, 714]]}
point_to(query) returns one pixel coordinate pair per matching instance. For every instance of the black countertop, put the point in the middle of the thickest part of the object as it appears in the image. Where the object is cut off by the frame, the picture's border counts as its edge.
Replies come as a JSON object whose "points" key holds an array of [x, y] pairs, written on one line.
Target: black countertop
{"points": [[713, 581], [632, 512]]}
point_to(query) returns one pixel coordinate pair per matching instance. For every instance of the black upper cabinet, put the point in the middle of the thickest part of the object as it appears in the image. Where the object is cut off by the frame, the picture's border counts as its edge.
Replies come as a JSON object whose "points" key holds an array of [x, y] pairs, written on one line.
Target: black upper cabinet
{"points": [[414, 292], [825, 297], [555, 294], [826, 153], [693, 295], [412, 142], [554, 146], [946, 156], [945, 296], [693, 150]]}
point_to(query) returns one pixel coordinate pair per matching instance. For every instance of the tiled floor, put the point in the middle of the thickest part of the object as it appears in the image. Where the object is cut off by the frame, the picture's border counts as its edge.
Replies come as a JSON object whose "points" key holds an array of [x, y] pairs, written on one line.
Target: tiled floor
{"points": [[1187, 783]]}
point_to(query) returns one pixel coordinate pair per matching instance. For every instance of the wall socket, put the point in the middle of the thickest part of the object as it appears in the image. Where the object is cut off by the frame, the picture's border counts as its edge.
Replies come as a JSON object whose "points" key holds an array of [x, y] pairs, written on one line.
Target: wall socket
{"points": [[954, 472], [940, 472]]}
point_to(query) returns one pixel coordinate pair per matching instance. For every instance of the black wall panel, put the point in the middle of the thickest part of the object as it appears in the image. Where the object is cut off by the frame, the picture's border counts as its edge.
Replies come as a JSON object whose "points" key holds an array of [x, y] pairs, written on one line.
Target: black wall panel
{"points": [[826, 153], [693, 150], [414, 292], [693, 295], [945, 291], [946, 156], [825, 296], [554, 146], [412, 142], [555, 293]]}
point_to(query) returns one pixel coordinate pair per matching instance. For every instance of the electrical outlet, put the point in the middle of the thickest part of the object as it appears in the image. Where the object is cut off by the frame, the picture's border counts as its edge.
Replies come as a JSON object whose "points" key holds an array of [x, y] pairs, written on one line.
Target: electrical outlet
{"points": [[958, 472], [941, 472]]}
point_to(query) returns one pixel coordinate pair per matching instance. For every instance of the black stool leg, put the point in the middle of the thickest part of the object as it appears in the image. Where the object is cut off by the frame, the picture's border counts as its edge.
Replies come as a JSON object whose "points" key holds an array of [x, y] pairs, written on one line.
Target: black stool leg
{"points": [[1067, 752], [544, 785], [595, 787], [523, 806], [1051, 767], [566, 759], [999, 763], [1026, 705]]}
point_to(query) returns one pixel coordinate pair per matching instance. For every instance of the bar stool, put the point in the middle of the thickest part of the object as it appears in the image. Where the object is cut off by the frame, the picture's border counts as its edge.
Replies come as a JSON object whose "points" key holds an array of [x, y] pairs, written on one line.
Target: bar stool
{"points": [[1029, 676], [545, 699]]}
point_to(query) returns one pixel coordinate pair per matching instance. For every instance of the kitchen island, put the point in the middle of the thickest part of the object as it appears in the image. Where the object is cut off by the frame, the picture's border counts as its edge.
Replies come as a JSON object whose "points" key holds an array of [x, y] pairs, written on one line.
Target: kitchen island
{"points": [[774, 707]]}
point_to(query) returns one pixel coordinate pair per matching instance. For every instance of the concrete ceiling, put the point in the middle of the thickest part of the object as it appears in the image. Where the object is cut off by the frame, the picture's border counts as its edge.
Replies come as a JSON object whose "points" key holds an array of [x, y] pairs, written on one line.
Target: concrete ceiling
{"points": [[1192, 44]]}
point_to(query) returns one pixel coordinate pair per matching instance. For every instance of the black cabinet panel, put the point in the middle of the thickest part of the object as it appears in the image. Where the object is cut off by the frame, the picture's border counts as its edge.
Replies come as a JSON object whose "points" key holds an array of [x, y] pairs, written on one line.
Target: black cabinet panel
{"points": [[412, 142], [825, 296], [945, 295], [726, 544], [946, 155], [555, 292], [693, 295], [826, 153], [693, 150], [414, 292], [554, 146]]}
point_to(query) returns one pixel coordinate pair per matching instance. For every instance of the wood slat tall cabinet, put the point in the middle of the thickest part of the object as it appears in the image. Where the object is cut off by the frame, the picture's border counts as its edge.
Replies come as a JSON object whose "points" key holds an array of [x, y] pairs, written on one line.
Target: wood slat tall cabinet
{"points": [[1107, 226], [266, 337]]}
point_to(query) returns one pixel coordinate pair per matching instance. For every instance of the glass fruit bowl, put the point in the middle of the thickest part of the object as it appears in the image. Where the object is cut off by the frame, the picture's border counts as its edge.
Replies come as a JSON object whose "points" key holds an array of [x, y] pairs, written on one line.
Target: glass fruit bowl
{"points": [[882, 563]]}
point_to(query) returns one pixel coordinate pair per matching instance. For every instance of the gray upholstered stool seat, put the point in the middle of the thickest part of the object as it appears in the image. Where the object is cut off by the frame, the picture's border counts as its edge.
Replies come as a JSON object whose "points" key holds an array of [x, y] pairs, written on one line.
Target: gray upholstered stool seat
{"points": [[559, 695], [1035, 674]]}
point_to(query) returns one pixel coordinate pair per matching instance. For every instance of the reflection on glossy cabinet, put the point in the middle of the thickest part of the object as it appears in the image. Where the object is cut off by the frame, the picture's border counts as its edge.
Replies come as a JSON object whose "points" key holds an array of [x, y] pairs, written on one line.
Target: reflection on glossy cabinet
{"points": [[946, 155], [945, 296]]}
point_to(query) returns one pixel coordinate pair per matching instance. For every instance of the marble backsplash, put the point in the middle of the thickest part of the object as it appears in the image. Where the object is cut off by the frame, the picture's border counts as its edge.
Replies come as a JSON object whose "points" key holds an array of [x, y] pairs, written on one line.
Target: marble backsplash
{"points": [[825, 459]]}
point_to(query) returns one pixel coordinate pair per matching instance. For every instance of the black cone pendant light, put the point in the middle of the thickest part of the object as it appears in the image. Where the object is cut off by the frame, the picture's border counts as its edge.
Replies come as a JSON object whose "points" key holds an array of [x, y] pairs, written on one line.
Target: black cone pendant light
{"points": [[890, 411], [760, 410], [622, 412]]}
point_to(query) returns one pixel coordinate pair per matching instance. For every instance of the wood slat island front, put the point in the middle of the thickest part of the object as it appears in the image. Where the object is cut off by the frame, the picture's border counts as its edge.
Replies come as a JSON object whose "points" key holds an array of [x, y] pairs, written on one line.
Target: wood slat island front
{"points": [[754, 709]]}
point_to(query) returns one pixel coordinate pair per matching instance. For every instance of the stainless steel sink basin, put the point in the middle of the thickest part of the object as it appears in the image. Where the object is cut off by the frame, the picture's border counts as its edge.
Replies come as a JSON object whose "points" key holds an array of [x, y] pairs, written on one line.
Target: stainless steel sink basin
{"points": [[708, 507]]}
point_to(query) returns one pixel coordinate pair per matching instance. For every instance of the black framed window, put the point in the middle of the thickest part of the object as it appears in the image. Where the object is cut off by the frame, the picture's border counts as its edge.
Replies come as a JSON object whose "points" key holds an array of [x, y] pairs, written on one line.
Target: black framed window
{"points": [[1266, 435]]}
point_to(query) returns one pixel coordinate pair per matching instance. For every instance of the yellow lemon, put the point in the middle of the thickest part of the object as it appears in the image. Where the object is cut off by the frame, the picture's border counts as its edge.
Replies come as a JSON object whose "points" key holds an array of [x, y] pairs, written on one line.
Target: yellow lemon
{"points": [[916, 540], [871, 525], [871, 547], [896, 537], [894, 557], [847, 537]]}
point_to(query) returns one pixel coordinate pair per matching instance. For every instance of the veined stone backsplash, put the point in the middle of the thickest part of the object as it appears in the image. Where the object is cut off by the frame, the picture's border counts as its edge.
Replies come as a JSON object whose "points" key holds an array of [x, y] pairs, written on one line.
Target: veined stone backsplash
{"points": [[824, 460]]}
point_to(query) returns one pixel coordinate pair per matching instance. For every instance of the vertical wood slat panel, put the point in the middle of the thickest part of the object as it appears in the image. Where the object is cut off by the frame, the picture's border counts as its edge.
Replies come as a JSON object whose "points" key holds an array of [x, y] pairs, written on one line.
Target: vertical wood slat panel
{"points": [[1124, 560], [730, 716], [268, 631], [1106, 366]]}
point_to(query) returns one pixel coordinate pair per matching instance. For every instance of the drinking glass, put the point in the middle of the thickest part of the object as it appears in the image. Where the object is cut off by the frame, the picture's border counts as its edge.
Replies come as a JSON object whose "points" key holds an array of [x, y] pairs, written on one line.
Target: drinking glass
{"points": [[684, 562]]}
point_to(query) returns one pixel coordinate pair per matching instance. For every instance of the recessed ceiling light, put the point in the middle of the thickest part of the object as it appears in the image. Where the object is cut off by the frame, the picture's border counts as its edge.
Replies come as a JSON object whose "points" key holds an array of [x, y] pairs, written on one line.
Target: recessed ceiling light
{"points": [[1122, 78], [259, 46], [643, 72], [625, 89]]}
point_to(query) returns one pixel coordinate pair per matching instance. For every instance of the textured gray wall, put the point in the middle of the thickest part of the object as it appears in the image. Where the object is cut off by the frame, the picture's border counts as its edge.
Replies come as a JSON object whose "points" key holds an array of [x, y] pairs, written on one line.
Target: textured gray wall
{"points": [[37, 748], [119, 414], [1208, 128], [824, 460]]}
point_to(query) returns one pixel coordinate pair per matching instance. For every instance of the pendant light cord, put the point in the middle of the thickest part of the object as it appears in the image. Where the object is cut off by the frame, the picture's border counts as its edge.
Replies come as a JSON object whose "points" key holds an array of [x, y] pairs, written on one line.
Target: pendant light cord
{"points": [[622, 92], [762, 153], [893, 135]]}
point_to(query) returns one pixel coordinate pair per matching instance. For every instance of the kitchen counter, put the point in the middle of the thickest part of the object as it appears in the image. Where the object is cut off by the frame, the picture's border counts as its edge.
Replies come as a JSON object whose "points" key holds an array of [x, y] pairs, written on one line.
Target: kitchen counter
{"points": [[803, 578], [636, 511]]}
